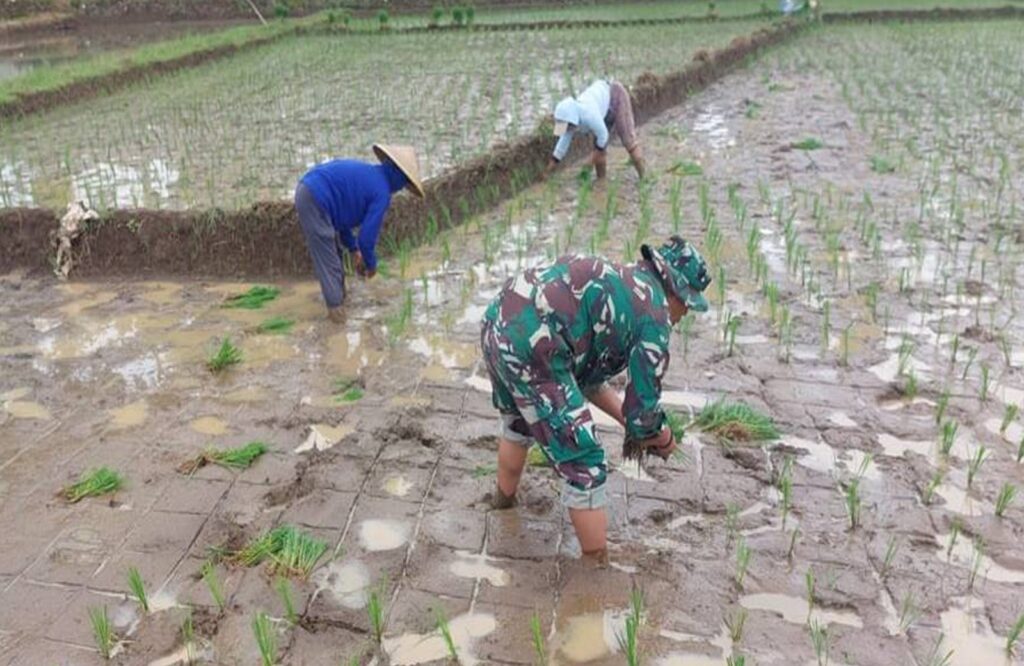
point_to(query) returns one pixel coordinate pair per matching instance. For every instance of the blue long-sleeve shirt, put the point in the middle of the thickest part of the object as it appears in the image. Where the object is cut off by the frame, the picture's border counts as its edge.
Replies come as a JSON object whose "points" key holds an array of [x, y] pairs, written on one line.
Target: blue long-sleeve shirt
{"points": [[355, 194], [592, 106]]}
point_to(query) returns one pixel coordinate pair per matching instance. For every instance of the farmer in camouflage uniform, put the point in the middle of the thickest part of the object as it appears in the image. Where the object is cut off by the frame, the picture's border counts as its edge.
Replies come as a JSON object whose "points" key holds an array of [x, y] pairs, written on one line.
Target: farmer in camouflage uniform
{"points": [[554, 336]]}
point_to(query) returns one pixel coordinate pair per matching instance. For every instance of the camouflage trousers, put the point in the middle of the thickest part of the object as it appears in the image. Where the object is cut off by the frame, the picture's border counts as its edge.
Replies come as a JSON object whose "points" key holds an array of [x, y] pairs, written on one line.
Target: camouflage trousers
{"points": [[540, 400]]}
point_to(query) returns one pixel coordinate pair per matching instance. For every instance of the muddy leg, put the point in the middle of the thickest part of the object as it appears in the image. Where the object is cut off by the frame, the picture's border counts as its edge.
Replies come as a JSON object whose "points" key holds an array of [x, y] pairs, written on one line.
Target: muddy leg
{"points": [[511, 461], [591, 527]]}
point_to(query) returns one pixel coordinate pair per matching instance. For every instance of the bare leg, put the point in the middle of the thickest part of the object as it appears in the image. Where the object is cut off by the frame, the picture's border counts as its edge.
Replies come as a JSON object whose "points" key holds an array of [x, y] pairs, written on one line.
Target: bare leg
{"points": [[591, 527], [511, 461], [609, 402]]}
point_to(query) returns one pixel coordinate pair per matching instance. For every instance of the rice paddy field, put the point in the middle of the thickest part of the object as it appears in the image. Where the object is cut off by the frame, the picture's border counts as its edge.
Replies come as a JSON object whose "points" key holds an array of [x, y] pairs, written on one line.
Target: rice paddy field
{"points": [[208, 472]]}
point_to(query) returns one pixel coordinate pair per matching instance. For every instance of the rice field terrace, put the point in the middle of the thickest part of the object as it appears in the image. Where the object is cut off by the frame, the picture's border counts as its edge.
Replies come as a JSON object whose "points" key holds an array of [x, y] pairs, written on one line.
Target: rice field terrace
{"points": [[241, 130], [209, 472]]}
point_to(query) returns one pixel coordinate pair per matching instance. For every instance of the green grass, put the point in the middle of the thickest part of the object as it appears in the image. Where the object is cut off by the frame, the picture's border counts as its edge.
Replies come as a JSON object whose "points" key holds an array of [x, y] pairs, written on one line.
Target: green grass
{"points": [[97, 482], [276, 326], [102, 632], [225, 356], [138, 588], [254, 299], [736, 422], [810, 143], [51, 77], [238, 458], [266, 638]]}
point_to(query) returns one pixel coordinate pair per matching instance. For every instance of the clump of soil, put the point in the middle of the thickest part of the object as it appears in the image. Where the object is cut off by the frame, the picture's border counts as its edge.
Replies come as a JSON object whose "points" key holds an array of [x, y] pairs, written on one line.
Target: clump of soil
{"points": [[979, 333], [298, 488]]}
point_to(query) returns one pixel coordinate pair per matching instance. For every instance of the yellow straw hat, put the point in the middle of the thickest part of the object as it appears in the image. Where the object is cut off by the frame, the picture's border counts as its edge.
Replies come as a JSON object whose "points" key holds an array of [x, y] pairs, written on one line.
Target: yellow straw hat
{"points": [[403, 157]]}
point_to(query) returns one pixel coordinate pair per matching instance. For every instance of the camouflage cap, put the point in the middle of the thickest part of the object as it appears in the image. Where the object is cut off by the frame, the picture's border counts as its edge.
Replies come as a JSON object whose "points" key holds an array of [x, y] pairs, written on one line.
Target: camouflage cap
{"points": [[682, 271]]}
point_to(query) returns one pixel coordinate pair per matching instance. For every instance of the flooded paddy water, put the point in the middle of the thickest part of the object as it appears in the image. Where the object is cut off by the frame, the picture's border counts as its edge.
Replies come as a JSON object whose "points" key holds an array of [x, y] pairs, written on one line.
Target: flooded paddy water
{"points": [[877, 329]]}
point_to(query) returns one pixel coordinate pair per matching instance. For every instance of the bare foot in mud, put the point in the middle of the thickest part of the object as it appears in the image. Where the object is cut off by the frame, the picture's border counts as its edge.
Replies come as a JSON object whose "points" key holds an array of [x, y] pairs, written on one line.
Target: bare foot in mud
{"points": [[336, 315]]}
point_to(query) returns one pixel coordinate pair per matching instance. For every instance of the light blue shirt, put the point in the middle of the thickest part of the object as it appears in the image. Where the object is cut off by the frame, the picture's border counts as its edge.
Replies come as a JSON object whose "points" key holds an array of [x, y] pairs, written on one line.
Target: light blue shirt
{"points": [[592, 105]]}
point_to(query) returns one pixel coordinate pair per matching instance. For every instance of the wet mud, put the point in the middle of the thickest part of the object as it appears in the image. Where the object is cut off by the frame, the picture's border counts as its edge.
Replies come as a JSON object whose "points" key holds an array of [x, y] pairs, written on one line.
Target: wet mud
{"points": [[398, 487]]}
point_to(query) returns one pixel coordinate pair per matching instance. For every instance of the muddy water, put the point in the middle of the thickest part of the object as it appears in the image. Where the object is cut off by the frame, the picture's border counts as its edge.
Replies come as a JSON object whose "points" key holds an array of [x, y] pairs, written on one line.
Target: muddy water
{"points": [[378, 535], [346, 583], [410, 649]]}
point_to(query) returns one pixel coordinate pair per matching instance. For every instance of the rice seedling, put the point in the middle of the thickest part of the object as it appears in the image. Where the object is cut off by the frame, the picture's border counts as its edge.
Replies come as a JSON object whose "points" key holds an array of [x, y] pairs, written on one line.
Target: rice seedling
{"points": [[954, 534], [809, 143], [732, 518], [972, 353], [735, 421], [284, 590], [910, 386], [684, 168], [844, 358], [238, 458], [100, 481], [809, 585], [909, 612], [928, 494], [820, 641], [102, 631], [983, 389], [892, 547], [880, 164], [1005, 498], [375, 610], [826, 308], [481, 471], [852, 501], [347, 389], [1009, 416], [266, 638], [138, 588], [254, 299], [276, 326], [188, 636], [977, 559], [941, 405], [446, 635], [1020, 451], [537, 639], [298, 552], [743, 554], [213, 584], [734, 623], [736, 660], [948, 437], [974, 464], [936, 657], [792, 543], [225, 356], [785, 486], [731, 324], [1013, 635]]}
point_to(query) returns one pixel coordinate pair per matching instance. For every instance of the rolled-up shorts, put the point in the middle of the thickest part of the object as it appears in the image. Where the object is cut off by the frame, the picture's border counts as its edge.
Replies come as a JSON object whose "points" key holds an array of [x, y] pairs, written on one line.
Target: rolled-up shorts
{"points": [[620, 118], [620, 115], [540, 400]]}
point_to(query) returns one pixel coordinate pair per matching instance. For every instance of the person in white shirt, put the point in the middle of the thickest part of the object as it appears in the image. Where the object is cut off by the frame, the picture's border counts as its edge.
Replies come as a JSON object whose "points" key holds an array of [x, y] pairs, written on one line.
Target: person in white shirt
{"points": [[603, 107]]}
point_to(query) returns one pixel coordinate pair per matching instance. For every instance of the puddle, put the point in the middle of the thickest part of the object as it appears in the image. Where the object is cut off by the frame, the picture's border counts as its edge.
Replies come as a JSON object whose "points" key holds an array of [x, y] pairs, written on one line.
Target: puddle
{"points": [[888, 370], [959, 501], [963, 555], [15, 394], [841, 420], [81, 301], [346, 583], [795, 611], [446, 353], [349, 354], [969, 635], [476, 566], [209, 425], [818, 456], [590, 636], [897, 447], [722, 642], [186, 654], [23, 409], [1014, 432], [376, 535], [161, 293], [712, 125], [129, 416], [409, 649], [322, 437], [247, 394], [397, 486]]}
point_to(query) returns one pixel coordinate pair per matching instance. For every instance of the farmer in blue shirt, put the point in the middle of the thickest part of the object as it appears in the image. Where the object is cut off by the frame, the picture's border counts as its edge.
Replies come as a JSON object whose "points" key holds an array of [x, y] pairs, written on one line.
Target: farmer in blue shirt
{"points": [[335, 198], [603, 107]]}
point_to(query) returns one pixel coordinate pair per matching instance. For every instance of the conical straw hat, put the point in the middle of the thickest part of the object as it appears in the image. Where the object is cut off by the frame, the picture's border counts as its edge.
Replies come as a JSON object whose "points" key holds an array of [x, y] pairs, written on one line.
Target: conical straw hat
{"points": [[403, 157]]}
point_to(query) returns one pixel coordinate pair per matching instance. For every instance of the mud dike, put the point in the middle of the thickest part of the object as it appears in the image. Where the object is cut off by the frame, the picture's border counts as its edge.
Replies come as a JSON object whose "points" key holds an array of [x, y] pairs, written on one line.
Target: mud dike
{"points": [[880, 339]]}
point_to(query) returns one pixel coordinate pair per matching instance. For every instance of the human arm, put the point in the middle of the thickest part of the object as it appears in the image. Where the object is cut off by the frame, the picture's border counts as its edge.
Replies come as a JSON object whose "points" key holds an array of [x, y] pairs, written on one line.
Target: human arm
{"points": [[648, 361], [561, 147], [369, 232]]}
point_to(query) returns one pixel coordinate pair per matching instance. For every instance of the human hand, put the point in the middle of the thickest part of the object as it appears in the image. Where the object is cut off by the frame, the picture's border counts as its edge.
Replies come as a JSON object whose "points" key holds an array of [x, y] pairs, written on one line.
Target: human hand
{"points": [[662, 445], [358, 263]]}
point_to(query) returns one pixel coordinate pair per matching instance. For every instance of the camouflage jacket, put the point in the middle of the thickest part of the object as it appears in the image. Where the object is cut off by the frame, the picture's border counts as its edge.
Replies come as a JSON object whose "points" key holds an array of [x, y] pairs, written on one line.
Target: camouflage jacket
{"points": [[608, 317]]}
